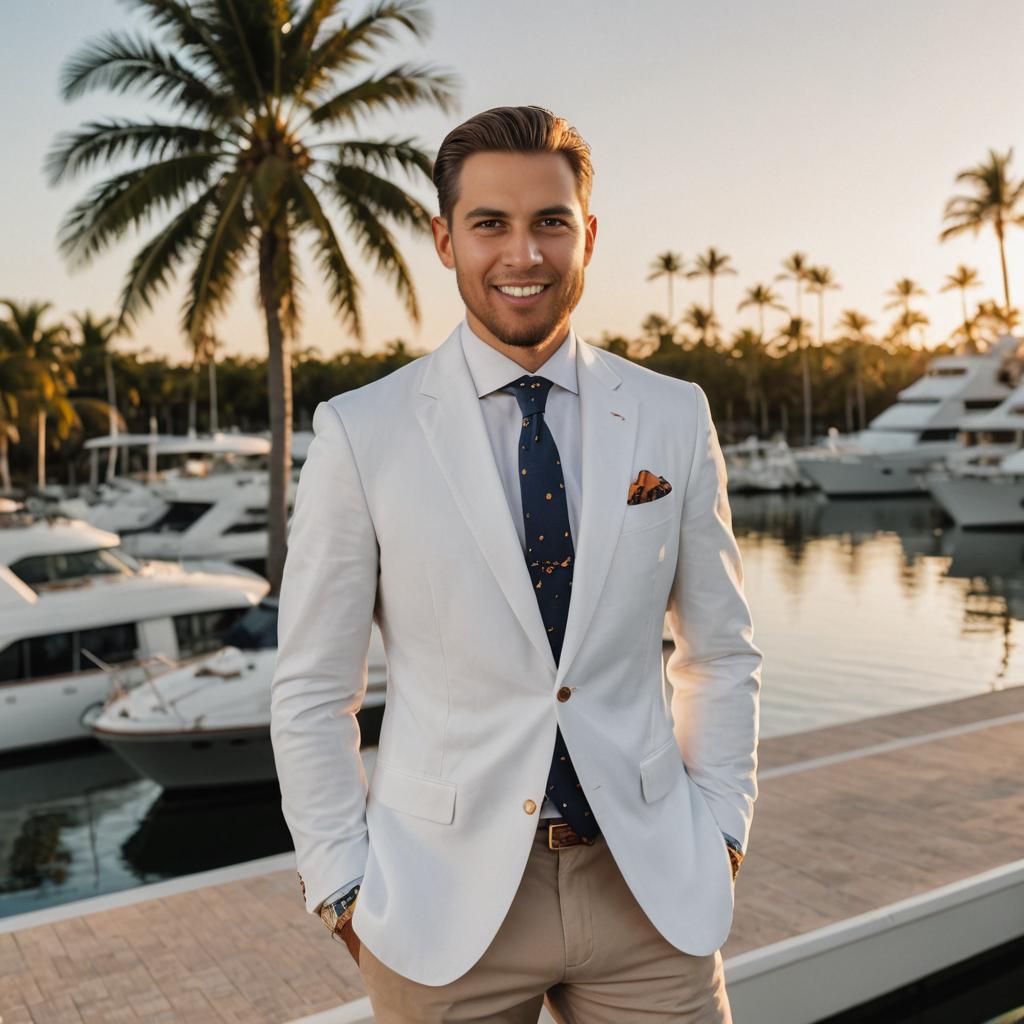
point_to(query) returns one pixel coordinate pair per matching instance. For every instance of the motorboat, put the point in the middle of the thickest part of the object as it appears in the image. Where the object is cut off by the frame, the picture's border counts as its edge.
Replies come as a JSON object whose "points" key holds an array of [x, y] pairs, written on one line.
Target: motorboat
{"points": [[208, 723], [991, 498], [756, 465], [75, 608], [911, 437]]}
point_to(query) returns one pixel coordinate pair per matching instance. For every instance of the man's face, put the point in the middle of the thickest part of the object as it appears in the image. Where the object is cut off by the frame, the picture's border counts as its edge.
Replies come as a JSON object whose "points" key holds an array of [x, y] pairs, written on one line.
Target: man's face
{"points": [[517, 224]]}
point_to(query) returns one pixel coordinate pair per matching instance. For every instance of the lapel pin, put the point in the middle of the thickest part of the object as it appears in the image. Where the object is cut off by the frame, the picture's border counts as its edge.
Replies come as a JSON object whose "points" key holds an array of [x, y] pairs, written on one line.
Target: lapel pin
{"points": [[619, 414]]}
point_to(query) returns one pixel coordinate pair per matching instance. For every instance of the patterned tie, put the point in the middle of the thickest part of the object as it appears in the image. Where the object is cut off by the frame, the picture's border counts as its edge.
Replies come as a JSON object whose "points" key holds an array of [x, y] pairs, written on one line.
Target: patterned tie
{"points": [[549, 556]]}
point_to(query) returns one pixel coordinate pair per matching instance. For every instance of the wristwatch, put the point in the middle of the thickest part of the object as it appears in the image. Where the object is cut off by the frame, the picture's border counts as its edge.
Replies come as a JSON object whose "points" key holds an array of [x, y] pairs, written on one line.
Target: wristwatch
{"points": [[735, 854], [337, 913]]}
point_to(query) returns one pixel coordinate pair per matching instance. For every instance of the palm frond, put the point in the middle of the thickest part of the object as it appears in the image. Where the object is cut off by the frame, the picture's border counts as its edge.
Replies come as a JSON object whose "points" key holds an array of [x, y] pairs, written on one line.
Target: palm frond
{"points": [[75, 152], [384, 155], [403, 86], [382, 196], [342, 286], [124, 64], [127, 200]]}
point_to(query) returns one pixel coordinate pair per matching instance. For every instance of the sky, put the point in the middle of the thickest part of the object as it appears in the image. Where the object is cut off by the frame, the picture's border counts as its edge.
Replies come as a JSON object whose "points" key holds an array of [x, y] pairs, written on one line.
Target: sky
{"points": [[832, 128]]}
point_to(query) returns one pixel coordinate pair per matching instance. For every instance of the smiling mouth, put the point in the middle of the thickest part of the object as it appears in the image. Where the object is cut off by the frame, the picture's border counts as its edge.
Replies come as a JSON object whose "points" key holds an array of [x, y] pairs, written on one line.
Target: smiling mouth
{"points": [[520, 291]]}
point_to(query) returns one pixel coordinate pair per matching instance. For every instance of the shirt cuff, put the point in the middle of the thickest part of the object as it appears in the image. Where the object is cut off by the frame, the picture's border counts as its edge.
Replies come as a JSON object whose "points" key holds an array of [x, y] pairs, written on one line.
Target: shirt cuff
{"points": [[734, 843]]}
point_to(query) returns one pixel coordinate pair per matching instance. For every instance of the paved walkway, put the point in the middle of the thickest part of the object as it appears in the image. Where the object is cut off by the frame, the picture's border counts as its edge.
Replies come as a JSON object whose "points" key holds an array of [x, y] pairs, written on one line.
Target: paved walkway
{"points": [[849, 818]]}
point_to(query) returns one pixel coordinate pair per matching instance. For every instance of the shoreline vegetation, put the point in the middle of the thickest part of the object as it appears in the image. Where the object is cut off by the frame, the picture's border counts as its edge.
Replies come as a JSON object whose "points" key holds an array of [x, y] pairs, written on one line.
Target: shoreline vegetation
{"points": [[236, 170]]}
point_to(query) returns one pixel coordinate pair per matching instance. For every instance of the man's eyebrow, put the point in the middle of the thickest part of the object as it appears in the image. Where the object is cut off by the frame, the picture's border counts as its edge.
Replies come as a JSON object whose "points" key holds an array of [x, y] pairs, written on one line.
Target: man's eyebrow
{"points": [[548, 211]]}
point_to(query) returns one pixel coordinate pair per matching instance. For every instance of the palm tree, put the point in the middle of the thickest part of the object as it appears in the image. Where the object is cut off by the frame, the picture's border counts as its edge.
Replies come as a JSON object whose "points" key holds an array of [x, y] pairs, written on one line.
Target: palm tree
{"points": [[901, 294], [42, 355], [794, 337], [668, 265], [243, 173], [795, 269], [761, 295], [748, 348], [854, 340], [963, 278], [819, 281], [95, 337], [710, 264], [12, 384], [995, 200], [703, 322]]}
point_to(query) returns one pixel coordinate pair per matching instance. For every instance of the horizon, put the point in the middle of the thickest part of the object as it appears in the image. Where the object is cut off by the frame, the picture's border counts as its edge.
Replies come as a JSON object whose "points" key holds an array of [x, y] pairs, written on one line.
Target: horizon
{"points": [[844, 155]]}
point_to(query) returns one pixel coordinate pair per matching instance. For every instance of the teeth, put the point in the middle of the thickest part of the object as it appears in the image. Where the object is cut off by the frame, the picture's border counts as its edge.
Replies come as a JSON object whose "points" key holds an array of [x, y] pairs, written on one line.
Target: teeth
{"points": [[533, 289]]}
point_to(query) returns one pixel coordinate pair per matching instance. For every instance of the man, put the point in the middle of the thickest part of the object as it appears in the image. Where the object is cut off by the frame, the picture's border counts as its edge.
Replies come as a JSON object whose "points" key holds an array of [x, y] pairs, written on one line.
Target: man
{"points": [[517, 511]]}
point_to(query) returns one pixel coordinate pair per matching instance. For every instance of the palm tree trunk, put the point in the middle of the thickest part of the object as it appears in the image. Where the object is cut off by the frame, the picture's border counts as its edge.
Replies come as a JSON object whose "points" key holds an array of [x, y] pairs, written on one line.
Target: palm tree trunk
{"points": [[1002, 263], [108, 370], [41, 448], [805, 371], [5, 465], [279, 390], [764, 412], [711, 294], [860, 392], [213, 394], [821, 317]]}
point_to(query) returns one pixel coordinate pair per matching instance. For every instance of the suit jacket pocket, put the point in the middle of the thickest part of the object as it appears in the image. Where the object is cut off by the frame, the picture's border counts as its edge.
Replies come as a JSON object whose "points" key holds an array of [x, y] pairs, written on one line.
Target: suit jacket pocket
{"points": [[659, 771], [419, 795]]}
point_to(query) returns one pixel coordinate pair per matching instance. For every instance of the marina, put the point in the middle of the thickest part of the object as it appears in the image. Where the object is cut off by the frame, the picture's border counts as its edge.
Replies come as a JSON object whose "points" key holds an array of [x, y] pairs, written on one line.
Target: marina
{"points": [[829, 860]]}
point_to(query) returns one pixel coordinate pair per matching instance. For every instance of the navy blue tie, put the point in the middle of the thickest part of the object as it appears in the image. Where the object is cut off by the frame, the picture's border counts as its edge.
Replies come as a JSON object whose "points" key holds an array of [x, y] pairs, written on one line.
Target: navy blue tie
{"points": [[549, 557]]}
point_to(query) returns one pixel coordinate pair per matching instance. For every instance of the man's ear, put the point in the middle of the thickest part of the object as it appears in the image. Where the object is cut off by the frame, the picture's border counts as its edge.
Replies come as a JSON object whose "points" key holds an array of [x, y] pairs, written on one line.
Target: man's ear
{"points": [[589, 238], [443, 241]]}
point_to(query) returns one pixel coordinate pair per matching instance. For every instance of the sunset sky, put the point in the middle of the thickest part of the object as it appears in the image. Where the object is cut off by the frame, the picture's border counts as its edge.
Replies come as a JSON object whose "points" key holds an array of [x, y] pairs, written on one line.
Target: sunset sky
{"points": [[829, 127]]}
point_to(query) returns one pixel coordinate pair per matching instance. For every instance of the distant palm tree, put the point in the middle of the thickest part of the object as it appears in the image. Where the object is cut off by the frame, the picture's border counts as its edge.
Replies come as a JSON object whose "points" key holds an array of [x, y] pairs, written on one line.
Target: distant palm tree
{"points": [[855, 340], [42, 357], [963, 278], [748, 347], [710, 264], [95, 337], [995, 200], [901, 294], [243, 173], [761, 295], [703, 322], [794, 337], [819, 281], [12, 384], [795, 269], [668, 265]]}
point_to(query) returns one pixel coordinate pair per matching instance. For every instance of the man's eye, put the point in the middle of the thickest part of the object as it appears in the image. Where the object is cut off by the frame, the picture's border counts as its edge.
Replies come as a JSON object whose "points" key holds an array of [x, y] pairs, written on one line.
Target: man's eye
{"points": [[556, 221], [487, 223]]}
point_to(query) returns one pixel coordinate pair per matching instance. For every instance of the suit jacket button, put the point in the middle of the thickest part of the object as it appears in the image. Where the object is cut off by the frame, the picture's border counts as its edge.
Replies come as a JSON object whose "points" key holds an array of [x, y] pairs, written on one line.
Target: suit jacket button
{"points": [[564, 693], [529, 807]]}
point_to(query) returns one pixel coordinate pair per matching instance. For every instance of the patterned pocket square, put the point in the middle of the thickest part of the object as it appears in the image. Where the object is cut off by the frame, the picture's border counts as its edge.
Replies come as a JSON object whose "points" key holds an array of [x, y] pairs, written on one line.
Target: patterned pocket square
{"points": [[647, 487]]}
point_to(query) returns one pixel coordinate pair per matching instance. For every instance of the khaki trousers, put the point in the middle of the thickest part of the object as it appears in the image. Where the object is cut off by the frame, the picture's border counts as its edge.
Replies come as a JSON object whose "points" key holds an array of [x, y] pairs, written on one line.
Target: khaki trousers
{"points": [[574, 939]]}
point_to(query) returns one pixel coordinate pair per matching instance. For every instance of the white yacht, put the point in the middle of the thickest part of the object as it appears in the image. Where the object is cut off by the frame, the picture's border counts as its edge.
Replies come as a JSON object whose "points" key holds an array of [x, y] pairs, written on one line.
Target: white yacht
{"points": [[74, 608], [909, 438], [208, 723], [990, 497], [755, 465]]}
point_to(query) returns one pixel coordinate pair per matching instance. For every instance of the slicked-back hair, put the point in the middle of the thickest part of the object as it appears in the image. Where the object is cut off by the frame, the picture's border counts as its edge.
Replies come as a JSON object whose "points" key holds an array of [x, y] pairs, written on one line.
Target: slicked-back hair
{"points": [[510, 130]]}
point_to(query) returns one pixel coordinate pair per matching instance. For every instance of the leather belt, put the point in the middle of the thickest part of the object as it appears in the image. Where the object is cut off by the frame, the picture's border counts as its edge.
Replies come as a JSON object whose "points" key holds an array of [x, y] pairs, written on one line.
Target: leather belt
{"points": [[560, 834]]}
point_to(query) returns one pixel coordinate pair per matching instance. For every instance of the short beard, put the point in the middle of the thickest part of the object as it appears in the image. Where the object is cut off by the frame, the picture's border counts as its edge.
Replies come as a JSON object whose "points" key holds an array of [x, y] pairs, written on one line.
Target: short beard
{"points": [[570, 300]]}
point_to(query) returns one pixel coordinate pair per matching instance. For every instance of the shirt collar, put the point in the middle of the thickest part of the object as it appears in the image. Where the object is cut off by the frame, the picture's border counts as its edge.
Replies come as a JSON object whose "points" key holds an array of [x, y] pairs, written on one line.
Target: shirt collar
{"points": [[491, 369]]}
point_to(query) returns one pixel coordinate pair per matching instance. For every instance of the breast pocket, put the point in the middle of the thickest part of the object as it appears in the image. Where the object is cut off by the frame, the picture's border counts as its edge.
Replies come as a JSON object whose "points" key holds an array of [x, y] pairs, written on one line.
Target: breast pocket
{"points": [[648, 514], [419, 795]]}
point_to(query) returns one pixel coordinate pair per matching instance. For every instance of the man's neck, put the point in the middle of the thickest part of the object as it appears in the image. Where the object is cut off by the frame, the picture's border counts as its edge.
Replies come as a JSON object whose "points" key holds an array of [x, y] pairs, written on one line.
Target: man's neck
{"points": [[530, 357]]}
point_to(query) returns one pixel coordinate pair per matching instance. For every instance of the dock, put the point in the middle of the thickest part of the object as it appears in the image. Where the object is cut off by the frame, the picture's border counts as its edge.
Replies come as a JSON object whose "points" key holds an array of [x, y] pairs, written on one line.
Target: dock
{"points": [[866, 836]]}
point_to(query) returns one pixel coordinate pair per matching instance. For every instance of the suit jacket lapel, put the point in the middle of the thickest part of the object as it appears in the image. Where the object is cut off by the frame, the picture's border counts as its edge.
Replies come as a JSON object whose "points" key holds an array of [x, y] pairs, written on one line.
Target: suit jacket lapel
{"points": [[608, 424], [454, 426]]}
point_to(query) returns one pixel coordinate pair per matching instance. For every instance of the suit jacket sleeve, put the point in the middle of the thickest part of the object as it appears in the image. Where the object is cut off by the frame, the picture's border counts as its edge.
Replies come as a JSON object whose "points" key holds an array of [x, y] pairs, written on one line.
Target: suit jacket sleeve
{"points": [[327, 599], [715, 669]]}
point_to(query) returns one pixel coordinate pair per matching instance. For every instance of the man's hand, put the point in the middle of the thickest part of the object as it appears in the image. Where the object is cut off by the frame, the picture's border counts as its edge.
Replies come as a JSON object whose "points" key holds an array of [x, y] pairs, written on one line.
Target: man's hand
{"points": [[348, 935]]}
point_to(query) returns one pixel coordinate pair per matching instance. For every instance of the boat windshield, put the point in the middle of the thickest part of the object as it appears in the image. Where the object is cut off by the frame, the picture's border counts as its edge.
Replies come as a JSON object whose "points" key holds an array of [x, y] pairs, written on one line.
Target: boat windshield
{"points": [[255, 630], [43, 570]]}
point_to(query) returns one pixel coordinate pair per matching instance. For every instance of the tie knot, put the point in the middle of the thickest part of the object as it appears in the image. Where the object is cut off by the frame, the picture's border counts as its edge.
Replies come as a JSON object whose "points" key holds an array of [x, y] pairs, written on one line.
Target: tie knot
{"points": [[531, 393]]}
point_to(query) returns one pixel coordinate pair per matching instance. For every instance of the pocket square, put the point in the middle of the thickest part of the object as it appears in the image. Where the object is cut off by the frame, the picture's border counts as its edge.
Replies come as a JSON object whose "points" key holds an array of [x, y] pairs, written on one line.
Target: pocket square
{"points": [[647, 487]]}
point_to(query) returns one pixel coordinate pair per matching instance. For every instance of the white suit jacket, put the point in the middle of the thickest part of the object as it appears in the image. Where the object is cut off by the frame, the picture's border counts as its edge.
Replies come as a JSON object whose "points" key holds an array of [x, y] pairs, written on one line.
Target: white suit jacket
{"points": [[400, 518]]}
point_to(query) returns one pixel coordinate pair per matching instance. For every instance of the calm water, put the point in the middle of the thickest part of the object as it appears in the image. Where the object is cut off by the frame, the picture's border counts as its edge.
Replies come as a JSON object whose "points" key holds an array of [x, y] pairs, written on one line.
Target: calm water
{"points": [[861, 608]]}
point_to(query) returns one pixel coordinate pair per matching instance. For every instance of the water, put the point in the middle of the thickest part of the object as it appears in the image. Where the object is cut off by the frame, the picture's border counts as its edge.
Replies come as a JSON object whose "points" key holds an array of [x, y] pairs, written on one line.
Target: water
{"points": [[861, 608]]}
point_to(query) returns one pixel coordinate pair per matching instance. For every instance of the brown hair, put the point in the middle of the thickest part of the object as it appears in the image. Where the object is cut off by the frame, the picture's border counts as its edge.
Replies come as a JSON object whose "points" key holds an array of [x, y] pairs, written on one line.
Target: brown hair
{"points": [[510, 130]]}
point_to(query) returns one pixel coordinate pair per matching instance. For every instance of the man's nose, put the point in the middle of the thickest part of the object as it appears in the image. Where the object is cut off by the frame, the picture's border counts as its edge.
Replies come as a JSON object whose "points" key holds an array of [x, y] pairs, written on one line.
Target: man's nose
{"points": [[522, 250]]}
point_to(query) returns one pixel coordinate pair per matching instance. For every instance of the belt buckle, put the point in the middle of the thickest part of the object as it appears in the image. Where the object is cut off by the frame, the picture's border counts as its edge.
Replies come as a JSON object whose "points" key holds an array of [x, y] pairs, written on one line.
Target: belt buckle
{"points": [[566, 836]]}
